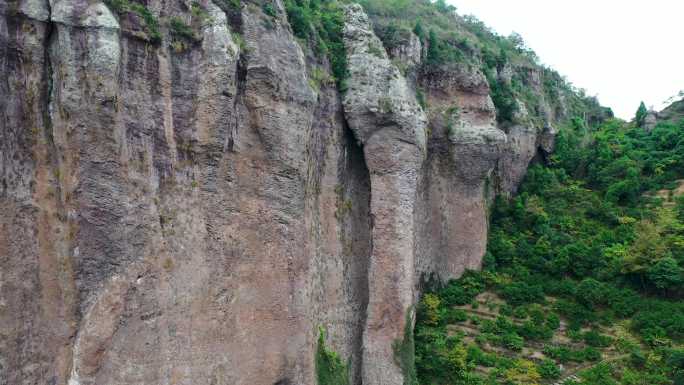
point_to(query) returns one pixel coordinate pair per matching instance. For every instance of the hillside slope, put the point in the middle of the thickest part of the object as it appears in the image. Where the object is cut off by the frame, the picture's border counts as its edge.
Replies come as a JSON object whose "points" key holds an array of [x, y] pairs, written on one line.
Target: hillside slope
{"points": [[584, 274]]}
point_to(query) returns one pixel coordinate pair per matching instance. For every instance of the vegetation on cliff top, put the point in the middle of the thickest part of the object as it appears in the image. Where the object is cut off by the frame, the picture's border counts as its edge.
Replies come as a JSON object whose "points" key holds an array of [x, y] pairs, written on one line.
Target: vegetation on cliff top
{"points": [[320, 22], [511, 68]]}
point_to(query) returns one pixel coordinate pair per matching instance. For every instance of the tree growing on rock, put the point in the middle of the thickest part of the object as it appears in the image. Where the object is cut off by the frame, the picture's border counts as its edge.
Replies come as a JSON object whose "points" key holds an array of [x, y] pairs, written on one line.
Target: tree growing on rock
{"points": [[641, 113]]}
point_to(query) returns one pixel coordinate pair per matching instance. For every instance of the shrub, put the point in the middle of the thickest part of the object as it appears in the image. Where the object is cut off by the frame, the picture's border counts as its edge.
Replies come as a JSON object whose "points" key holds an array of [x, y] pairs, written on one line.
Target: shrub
{"points": [[453, 294], [151, 23], [321, 23], [179, 28], [532, 331], [428, 310], [596, 339], [637, 358], [451, 315], [330, 369], [479, 357], [553, 321], [513, 341], [590, 354], [519, 293], [520, 312], [523, 373], [548, 369], [591, 292], [405, 352], [269, 10]]}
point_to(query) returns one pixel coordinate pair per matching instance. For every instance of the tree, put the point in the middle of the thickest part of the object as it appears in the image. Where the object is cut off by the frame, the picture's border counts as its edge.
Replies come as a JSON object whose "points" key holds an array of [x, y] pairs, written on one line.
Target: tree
{"points": [[429, 309], [641, 114], [418, 30], [665, 274], [433, 54], [443, 7]]}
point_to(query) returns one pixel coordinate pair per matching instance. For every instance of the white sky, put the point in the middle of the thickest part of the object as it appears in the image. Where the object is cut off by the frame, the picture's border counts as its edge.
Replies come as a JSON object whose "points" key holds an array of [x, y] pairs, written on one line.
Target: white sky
{"points": [[623, 51]]}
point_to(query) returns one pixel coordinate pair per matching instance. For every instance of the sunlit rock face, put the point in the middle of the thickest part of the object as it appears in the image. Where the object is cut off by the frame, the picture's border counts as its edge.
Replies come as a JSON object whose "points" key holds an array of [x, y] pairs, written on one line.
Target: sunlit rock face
{"points": [[190, 210]]}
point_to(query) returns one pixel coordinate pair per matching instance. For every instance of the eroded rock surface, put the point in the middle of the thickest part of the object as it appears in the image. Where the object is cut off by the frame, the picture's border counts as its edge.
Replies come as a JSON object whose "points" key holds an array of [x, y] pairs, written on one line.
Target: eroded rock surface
{"points": [[383, 113]]}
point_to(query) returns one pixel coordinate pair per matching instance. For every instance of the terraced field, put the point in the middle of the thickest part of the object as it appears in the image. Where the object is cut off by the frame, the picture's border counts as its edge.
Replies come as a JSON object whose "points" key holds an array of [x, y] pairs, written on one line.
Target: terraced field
{"points": [[530, 344]]}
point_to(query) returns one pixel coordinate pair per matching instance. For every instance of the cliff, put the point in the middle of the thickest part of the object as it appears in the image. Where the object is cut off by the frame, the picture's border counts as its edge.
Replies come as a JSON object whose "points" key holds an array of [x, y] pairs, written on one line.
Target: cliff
{"points": [[188, 194]]}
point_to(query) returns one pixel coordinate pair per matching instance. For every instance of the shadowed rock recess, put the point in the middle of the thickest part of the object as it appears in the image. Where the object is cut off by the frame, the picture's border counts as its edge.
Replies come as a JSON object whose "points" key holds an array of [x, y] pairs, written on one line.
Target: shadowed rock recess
{"points": [[184, 201]]}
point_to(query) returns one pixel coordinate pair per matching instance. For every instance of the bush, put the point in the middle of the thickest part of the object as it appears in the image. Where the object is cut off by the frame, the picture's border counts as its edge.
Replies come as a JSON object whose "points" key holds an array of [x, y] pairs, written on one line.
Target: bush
{"points": [[519, 293], [590, 354], [595, 339], [524, 372], [269, 10], [321, 24], [513, 341], [548, 369], [553, 321], [451, 316], [591, 293], [520, 312], [330, 369], [179, 28], [428, 310], [479, 357], [151, 22], [574, 312], [455, 294], [535, 332]]}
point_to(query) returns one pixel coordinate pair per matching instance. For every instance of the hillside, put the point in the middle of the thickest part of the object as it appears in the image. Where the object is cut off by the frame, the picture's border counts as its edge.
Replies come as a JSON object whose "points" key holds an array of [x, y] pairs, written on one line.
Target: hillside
{"points": [[584, 275]]}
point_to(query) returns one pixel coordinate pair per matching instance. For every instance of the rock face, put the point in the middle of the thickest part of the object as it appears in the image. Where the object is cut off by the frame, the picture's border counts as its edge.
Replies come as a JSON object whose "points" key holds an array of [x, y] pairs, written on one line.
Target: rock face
{"points": [[188, 209], [385, 117], [463, 150]]}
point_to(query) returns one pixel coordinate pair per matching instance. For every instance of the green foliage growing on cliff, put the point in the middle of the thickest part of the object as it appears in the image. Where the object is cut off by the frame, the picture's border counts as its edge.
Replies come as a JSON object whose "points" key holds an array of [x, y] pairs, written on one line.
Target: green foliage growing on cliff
{"points": [[269, 10], [330, 369], [179, 28], [121, 7], [641, 113], [320, 23], [405, 352], [511, 68]]}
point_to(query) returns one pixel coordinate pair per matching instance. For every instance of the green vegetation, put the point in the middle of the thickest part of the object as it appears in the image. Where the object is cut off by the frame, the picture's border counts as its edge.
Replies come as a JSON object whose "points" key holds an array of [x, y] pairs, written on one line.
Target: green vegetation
{"points": [[269, 10], [320, 23], [641, 115], [585, 267], [122, 7], [231, 4], [510, 67], [179, 28], [405, 352], [330, 369], [199, 12]]}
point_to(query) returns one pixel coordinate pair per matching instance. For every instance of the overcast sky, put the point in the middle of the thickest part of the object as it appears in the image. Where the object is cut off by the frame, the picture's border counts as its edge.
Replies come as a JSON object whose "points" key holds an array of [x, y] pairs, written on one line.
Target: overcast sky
{"points": [[623, 51]]}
